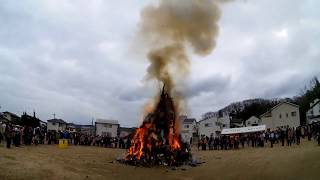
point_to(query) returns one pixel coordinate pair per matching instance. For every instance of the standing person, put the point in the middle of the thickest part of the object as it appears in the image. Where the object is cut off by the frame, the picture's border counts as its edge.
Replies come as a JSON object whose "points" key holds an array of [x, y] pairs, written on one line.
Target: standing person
{"points": [[262, 136], [290, 136], [1, 137], [309, 133], [242, 139], [293, 131], [210, 143], [16, 137], [287, 136], [318, 137], [282, 136], [8, 134], [271, 138], [199, 143], [298, 135]]}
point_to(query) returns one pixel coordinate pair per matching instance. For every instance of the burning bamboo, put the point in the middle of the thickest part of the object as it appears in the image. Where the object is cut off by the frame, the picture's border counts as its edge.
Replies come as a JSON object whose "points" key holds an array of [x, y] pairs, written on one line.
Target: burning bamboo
{"points": [[157, 141]]}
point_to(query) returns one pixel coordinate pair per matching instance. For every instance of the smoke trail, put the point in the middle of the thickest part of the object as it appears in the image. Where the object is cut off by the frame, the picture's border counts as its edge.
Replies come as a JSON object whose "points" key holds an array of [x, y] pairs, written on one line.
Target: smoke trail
{"points": [[172, 27]]}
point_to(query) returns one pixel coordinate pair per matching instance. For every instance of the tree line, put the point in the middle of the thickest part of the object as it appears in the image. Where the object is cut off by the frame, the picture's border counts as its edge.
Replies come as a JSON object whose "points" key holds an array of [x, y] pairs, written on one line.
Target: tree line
{"points": [[256, 107]]}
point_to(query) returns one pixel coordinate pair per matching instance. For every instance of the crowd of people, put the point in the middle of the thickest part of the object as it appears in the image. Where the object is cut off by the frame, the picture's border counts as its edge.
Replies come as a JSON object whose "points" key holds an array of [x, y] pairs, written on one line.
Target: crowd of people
{"points": [[76, 138], [283, 136], [17, 135]]}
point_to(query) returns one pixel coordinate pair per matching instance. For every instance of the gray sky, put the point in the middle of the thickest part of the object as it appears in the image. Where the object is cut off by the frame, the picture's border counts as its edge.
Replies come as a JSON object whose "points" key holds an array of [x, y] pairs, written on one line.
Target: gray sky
{"points": [[81, 59]]}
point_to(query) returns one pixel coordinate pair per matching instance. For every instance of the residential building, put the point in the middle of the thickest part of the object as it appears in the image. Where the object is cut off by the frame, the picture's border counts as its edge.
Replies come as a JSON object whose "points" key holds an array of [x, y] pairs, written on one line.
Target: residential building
{"points": [[282, 115], [106, 127], [313, 114], [86, 129], [43, 124], [56, 125], [236, 123], [253, 121], [2, 119], [11, 117], [211, 124], [188, 128], [71, 127], [29, 121], [124, 131]]}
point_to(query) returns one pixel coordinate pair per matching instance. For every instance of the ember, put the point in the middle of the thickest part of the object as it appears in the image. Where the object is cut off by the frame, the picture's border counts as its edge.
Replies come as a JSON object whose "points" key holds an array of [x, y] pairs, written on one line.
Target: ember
{"points": [[157, 141]]}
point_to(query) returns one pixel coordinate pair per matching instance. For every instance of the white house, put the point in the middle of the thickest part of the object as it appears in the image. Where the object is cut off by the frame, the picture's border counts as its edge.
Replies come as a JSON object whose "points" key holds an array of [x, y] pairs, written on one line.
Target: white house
{"points": [[106, 127], [56, 125], [313, 114], [188, 129], [282, 115], [211, 124], [253, 121]]}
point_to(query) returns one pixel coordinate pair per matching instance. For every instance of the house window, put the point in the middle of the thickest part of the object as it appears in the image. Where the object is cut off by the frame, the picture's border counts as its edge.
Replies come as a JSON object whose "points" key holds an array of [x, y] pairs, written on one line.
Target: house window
{"points": [[207, 125], [53, 124], [280, 116], [186, 126], [108, 125], [294, 113], [287, 115]]}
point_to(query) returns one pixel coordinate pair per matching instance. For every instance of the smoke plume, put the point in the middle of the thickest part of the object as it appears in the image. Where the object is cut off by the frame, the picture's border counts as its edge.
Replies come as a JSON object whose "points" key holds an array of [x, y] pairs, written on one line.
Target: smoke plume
{"points": [[170, 29]]}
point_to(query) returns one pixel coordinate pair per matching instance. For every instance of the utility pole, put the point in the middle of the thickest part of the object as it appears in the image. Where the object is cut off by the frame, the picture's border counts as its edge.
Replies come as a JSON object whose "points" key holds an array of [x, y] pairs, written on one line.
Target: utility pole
{"points": [[54, 115]]}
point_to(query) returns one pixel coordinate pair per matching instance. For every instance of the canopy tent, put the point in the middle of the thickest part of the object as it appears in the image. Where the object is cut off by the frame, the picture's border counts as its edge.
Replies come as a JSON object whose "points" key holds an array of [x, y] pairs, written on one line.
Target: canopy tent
{"points": [[243, 130]]}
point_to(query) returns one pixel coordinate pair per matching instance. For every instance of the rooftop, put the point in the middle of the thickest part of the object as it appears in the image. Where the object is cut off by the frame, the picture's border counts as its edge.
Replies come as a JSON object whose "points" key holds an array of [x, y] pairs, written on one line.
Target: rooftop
{"points": [[189, 120], [57, 121], [276, 106], [107, 121], [12, 114]]}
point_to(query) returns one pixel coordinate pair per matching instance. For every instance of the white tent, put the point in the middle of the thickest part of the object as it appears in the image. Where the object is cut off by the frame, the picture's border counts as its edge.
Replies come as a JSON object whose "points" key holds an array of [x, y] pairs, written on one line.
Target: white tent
{"points": [[244, 130]]}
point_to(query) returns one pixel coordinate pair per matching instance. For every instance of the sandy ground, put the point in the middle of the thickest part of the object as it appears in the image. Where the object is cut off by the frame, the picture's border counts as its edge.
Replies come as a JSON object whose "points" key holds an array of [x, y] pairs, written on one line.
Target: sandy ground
{"points": [[78, 162]]}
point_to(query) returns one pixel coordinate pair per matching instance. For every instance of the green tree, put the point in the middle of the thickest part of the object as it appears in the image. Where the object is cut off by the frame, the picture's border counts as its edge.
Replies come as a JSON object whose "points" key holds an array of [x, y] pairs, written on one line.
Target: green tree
{"points": [[306, 96]]}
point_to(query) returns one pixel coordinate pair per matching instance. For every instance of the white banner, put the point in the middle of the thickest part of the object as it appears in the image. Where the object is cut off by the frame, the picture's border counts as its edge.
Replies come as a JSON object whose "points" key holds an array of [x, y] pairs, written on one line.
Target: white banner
{"points": [[244, 130]]}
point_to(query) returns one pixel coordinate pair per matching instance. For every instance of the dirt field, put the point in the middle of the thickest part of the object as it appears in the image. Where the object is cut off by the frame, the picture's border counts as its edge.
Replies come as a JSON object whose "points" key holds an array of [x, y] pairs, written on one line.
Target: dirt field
{"points": [[78, 162]]}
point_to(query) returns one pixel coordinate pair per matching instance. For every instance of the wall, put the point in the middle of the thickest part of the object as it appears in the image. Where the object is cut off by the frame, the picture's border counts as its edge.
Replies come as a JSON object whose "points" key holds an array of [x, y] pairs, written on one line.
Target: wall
{"points": [[313, 112], [56, 126], [187, 132], [287, 118], [285, 110], [107, 129], [211, 127]]}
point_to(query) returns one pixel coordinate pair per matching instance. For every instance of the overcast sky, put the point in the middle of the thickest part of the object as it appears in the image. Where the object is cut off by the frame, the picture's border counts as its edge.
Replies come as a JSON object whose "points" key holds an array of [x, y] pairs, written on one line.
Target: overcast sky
{"points": [[79, 59]]}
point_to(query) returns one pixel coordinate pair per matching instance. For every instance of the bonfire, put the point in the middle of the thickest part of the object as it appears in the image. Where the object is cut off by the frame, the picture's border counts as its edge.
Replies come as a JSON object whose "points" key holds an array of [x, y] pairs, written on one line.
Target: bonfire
{"points": [[167, 30], [158, 141]]}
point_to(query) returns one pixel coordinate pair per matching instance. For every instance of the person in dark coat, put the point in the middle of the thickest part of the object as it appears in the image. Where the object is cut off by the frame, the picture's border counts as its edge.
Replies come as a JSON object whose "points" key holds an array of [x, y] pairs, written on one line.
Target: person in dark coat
{"points": [[16, 137], [298, 135], [8, 134], [1, 137], [282, 136]]}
